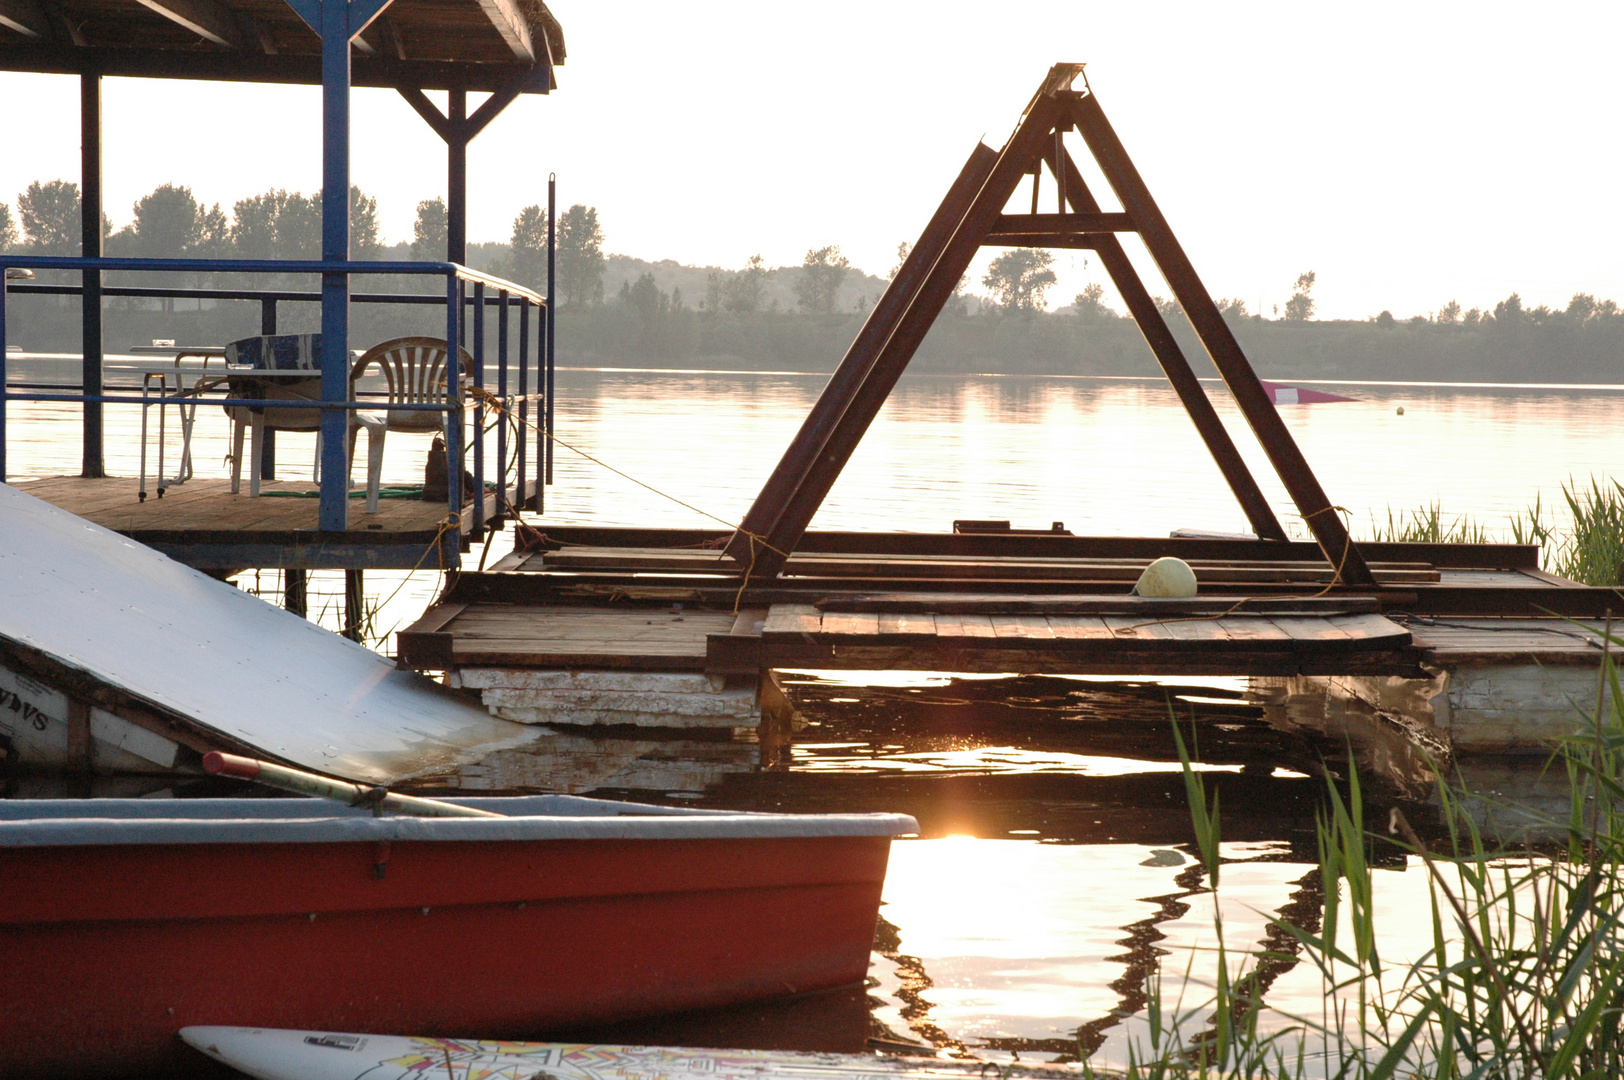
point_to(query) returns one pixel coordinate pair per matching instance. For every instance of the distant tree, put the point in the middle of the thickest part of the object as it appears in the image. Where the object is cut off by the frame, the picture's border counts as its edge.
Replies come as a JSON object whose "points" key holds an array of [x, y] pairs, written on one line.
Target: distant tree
{"points": [[365, 243], [1385, 320], [742, 293], [8, 229], [281, 224], [164, 224], [580, 257], [1232, 308], [1581, 307], [1300, 308], [430, 231], [1020, 278], [1090, 303], [50, 214], [1509, 312], [818, 283], [904, 249], [253, 224], [1472, 318], [1448, 315], [529, 247]]}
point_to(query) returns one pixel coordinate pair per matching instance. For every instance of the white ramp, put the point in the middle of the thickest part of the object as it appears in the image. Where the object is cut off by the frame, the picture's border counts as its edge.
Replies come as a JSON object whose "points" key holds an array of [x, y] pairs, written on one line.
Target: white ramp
{"points": [[213, 664]]}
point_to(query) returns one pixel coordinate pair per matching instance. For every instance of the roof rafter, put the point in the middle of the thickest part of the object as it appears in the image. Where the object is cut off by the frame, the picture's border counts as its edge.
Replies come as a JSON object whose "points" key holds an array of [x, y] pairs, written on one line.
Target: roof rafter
{"points": [[204, 18], [27, 18], [510, 22]]}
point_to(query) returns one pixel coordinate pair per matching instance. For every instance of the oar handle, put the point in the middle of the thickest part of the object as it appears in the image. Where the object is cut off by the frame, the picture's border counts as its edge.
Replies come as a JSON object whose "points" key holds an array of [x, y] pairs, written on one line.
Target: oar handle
{"points": [[280, 776]]}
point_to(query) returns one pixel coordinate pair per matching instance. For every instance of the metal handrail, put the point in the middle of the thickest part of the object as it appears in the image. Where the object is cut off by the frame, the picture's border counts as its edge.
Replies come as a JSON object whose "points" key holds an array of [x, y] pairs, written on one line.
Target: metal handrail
{"points": [[275, 266], [508, 294]]}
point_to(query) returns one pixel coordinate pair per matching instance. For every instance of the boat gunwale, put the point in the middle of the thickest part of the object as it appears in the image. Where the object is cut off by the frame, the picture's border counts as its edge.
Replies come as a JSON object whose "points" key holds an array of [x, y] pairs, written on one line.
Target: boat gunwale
{"points": [[98, 822]]}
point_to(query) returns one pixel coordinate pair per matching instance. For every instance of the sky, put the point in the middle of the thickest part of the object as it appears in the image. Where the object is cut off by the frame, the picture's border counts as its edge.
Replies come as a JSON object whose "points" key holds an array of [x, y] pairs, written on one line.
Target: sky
{"points": [[1407, 153]]}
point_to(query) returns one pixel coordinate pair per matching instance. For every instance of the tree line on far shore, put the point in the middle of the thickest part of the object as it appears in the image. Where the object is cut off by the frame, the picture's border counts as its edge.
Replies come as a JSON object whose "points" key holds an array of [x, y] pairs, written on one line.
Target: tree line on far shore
{"points": [[614, 309]]}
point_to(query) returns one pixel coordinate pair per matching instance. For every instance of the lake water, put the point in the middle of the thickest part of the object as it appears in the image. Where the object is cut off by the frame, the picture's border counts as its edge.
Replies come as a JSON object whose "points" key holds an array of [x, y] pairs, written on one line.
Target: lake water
{"points": [[1053, 879]]}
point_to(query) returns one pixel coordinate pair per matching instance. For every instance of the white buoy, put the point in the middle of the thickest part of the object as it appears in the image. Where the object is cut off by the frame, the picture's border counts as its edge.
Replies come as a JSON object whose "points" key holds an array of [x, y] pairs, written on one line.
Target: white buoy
{"points": [[1166, 576]]}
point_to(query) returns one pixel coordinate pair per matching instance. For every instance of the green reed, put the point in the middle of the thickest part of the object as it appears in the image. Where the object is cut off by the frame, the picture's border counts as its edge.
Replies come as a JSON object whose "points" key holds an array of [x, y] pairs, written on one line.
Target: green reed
{"points": [[1524, 976], [1588, 548]]}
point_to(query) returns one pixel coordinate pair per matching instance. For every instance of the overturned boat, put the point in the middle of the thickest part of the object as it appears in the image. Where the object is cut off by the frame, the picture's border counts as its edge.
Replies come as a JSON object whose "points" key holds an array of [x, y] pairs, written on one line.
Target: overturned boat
{"points": [[129, 919]]}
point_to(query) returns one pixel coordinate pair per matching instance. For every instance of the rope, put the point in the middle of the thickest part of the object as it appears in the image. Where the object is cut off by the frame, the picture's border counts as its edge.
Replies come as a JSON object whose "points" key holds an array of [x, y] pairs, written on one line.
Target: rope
{"points": [[499, 406], [1336, 579]]}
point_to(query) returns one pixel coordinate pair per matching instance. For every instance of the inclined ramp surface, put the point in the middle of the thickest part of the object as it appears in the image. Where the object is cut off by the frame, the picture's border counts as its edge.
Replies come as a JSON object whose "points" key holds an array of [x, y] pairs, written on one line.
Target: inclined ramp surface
{"points": [[218, 658]]}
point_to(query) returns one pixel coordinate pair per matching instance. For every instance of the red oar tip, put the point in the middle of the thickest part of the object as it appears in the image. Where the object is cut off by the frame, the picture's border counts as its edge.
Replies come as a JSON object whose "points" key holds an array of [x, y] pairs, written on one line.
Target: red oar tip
{"points": [[218, 764]]}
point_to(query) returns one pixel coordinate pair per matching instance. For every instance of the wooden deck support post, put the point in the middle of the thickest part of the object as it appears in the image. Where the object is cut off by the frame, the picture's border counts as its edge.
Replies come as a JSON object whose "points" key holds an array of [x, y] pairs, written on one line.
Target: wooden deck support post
{"points": [[1220, 343], [355, 599]]}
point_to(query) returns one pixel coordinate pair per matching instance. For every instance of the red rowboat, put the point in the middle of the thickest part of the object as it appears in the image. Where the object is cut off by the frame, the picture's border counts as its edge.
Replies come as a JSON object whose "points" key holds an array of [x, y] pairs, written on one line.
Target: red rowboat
{"points": [[126, 920]]}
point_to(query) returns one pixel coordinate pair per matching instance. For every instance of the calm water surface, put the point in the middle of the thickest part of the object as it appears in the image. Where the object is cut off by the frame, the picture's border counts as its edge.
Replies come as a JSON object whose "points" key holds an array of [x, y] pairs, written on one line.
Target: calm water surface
{"points": [[1052, 882]]}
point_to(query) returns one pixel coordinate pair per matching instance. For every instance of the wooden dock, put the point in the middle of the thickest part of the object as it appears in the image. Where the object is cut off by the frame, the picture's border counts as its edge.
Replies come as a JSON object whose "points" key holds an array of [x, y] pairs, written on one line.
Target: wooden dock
{"points": [[1019, 604], [200, 523]]}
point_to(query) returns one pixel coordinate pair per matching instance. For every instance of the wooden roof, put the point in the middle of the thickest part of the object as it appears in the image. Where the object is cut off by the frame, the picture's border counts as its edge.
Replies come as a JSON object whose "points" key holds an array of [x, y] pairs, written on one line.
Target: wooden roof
{"points": [[427, 44]]}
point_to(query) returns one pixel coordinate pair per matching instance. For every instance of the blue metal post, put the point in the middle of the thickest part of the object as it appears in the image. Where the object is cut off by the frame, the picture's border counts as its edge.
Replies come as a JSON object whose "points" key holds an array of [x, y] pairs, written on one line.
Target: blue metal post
{"points": [[335, 247], [501, 392], [479, 408], [453, 375], [524, 392], [545, 451], [4, 386]]}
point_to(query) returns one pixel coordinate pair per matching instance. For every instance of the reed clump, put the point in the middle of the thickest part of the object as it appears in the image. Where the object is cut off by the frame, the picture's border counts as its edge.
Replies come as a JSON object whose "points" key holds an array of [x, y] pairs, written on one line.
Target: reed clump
{"points": [[1524, 976], [1588, 547]]}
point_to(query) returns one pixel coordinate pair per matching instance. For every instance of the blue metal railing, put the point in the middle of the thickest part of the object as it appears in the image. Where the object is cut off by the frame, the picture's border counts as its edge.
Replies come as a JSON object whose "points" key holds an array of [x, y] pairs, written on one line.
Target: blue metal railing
{"points": [[458, 281]]}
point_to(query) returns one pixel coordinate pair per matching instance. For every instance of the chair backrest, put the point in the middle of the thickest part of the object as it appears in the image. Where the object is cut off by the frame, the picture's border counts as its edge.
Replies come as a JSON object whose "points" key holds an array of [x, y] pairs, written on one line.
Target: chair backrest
{"points": [[278, 352], [414, 370]]}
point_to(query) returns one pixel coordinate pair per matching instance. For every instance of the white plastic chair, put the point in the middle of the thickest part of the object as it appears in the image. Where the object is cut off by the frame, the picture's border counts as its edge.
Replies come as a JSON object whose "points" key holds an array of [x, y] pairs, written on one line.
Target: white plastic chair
{"points": [[414, 370]]}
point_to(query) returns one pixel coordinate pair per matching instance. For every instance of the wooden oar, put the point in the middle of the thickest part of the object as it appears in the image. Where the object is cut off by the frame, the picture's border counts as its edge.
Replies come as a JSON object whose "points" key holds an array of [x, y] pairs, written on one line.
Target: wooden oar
{"points": [[280, 776]]}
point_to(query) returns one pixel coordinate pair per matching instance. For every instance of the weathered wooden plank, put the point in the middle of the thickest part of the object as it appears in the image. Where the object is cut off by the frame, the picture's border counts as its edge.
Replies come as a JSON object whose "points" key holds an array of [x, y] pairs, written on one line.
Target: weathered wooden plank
{"points": [[1253, 628], [907, 624], [854, 624], [951, 627], [1128, 628], [1198, 630], [1022, 627], [1080, 628], [1304, 628], [793, 619]]}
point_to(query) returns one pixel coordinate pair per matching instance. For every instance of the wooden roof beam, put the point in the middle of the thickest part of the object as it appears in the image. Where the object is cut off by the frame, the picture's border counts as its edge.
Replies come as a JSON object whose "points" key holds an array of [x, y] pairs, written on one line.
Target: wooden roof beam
{"points": [[205, 18], [27, 18], [509, 21]]}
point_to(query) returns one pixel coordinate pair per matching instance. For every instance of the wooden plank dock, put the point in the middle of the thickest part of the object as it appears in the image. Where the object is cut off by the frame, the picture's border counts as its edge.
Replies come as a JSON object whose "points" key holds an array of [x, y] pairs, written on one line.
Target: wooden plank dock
{"points": [[200, 523], [1027, 604]]}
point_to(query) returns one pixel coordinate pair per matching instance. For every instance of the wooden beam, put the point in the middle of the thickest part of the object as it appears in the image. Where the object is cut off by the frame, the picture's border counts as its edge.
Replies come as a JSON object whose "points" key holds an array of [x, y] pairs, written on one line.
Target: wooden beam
{"points": [[1058, 225], [27, 18], [510, 22], [204, 18]]}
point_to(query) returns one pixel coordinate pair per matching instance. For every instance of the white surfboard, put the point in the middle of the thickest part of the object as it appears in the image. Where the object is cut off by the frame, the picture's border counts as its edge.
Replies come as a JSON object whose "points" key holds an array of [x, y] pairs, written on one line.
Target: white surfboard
{"points": [[273, 1054]]}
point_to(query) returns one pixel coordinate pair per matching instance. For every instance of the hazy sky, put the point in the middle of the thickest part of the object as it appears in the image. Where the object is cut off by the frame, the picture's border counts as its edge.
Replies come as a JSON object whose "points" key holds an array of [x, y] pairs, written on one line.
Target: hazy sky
{"points": [[1409, 153]]}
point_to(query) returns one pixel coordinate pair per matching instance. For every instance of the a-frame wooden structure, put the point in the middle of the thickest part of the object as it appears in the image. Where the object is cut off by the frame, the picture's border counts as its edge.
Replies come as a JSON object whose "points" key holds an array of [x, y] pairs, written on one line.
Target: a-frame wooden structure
{"points": [[972, 215]]}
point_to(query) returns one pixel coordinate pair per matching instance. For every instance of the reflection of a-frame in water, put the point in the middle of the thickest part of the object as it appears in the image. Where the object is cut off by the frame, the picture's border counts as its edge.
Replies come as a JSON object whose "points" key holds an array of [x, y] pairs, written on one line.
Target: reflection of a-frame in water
{"points": [[1276, 954]]}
